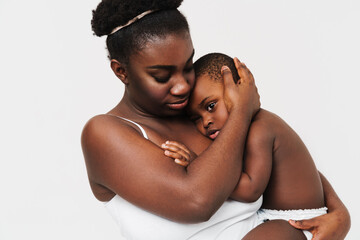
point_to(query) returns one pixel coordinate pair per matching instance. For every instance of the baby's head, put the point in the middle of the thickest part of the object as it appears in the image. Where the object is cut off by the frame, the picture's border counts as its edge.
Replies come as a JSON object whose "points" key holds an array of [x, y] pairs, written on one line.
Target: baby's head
{"points": [[207, 108]]}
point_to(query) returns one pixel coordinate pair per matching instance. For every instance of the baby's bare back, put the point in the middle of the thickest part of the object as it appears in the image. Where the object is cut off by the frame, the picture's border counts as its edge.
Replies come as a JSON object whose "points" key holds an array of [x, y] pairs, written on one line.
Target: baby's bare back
{"points": [[294, 182]]}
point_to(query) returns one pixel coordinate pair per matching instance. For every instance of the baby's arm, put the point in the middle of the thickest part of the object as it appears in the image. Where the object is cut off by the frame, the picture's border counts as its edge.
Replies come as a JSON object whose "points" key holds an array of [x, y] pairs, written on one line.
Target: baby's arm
{"points": [[257, 164]]}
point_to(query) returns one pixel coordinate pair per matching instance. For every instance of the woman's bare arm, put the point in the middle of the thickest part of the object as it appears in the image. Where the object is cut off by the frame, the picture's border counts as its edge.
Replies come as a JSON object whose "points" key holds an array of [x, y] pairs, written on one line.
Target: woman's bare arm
{"points": [[332, 226], [121, 160]]}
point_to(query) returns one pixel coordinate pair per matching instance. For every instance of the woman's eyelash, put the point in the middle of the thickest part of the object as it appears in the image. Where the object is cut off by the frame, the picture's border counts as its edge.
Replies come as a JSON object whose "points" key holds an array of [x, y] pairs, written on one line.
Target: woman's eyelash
{"points": [[165, 79], [162, 80], [189, 69]]}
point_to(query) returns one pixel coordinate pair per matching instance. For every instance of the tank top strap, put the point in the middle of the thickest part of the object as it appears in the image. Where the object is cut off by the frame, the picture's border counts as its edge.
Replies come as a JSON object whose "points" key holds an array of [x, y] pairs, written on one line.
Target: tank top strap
{"points": [[136, 124]]}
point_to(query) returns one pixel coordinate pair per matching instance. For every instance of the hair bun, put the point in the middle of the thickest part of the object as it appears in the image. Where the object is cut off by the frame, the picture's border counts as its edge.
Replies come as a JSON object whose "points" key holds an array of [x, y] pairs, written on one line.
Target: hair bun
{"points": [[166, 4], [112, 13]]}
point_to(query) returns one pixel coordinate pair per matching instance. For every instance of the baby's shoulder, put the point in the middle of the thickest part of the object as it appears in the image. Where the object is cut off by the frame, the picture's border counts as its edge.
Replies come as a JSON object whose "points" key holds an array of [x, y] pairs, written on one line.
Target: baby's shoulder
{"points": [[265, 124], [265, 118]]}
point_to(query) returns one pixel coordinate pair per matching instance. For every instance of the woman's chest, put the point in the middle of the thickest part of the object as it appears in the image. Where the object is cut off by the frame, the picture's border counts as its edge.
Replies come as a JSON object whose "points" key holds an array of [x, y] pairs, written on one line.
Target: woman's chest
{"points": [[182, 133]]}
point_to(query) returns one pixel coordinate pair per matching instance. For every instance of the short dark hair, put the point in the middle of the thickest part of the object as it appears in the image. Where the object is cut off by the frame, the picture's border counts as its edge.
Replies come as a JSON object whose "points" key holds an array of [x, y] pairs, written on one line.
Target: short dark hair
{"points": [[109, 14], [211, 64]]}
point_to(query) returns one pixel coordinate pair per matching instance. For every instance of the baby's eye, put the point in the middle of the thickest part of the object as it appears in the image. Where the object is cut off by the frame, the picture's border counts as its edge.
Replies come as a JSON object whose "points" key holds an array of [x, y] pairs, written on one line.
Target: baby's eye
{"points": [[210, 106]]}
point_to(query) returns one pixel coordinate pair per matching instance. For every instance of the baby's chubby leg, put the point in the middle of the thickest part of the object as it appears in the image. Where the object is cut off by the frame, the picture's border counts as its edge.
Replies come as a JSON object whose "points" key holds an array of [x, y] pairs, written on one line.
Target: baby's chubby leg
{"points": [[275, 230]]}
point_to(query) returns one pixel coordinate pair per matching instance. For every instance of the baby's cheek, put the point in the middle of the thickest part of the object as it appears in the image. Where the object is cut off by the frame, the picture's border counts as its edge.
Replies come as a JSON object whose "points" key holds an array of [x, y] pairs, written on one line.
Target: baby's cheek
{"points": [[200, 127]]}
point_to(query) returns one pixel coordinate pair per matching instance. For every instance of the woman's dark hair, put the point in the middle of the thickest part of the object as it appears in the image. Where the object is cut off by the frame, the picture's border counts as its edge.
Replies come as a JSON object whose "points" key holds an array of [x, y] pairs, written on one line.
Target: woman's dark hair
{"points": [[211, 65], [109, 14]]}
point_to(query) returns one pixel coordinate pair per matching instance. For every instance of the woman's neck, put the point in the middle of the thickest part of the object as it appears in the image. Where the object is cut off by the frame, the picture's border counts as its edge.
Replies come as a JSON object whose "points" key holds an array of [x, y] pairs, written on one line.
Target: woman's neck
{"points": [[128, 109]]}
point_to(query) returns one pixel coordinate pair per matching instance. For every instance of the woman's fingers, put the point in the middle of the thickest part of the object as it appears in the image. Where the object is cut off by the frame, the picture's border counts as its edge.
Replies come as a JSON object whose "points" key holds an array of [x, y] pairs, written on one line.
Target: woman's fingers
{"points": [[227, 76], [239, 69], [231, 94], [247, 79], [302, 224], [243, 72], [308, 225]]}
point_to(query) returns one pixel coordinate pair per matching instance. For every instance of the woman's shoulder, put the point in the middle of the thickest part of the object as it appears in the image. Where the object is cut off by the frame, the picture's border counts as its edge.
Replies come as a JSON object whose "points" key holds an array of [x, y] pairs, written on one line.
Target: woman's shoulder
{"points": [[108, 142], [106, 131], [98, 121], [106, 124]]}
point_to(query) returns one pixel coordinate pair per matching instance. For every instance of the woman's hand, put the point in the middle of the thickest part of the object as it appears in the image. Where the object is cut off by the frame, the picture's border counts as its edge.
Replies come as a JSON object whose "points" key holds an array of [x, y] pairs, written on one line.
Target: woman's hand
{"points": [[179, 152], [331, 226], [243, 94]]}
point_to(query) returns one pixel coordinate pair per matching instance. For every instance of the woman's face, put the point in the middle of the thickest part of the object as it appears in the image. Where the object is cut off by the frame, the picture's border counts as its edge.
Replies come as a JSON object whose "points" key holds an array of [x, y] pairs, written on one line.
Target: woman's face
{"points": [[161, 75]]}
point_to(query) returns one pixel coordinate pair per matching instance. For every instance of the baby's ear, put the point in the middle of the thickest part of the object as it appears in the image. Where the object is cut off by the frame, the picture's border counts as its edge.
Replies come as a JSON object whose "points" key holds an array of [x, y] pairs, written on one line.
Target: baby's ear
{"points": [[120, 70]]}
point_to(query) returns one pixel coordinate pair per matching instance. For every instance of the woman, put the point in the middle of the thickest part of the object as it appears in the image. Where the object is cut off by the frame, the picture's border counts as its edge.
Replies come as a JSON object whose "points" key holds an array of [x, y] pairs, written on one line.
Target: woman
{"points": [[149, 195]]}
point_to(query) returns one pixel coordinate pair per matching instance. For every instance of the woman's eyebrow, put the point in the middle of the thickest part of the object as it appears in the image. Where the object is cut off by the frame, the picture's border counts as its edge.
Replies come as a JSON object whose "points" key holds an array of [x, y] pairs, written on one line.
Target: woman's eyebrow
{"points": [[170, 67], [165, 67]]}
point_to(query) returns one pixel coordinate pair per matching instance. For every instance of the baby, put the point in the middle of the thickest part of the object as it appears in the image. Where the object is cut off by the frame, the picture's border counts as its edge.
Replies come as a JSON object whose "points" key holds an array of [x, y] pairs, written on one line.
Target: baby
{"points": [[277, 164]]}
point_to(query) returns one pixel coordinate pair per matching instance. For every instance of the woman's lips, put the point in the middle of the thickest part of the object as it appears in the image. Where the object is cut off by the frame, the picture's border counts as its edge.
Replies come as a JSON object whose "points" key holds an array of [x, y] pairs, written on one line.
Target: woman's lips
{"points": [[214, 134], [178, 105]]}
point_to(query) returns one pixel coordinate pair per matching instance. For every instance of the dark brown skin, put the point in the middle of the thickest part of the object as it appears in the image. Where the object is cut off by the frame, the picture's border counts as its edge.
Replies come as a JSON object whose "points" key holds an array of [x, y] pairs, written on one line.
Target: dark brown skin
{"points": [[337, 219], [332, 226], [121, 161], [275, 230], [274, 149]]}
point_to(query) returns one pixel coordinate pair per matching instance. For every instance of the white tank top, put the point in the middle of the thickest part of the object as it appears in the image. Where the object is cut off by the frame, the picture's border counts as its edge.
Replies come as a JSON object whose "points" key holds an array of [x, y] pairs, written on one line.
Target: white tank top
{"points": [[232, 221]]}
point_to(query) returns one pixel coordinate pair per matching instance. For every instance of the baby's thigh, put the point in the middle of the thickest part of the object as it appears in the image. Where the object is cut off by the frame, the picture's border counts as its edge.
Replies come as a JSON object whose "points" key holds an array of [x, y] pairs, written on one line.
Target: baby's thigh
{"points": [[275, 230]]}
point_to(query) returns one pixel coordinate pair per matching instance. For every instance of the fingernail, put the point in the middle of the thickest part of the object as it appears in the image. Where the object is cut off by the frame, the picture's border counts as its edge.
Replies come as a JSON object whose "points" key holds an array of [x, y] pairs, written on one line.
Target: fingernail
{"points": [[166, 152], [167, 142], [224, 68], [180, 162], [163, 145]]}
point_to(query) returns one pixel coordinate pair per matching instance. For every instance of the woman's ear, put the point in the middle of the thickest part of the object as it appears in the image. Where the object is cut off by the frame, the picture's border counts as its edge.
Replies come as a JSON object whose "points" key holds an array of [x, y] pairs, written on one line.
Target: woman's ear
{"points": [[119, 70]]}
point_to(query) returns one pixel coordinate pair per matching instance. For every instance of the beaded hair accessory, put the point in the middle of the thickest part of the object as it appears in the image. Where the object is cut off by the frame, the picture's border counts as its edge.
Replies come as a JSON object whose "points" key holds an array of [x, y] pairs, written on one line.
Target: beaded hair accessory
{"points": [[132, 21]]}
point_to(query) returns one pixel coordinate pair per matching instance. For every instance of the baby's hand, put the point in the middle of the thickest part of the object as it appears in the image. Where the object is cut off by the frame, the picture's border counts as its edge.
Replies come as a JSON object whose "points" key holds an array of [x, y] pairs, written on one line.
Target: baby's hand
{"points": [[179, 152]]}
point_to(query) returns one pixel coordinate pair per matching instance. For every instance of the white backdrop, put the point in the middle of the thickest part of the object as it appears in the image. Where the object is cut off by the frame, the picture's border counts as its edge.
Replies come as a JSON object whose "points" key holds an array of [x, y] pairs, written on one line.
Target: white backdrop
{"points": [[55, 75]]}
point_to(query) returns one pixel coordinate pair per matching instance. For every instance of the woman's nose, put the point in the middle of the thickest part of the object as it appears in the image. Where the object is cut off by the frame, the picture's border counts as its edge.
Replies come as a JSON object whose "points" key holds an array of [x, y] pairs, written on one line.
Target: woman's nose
{"points": [[181, 87]]}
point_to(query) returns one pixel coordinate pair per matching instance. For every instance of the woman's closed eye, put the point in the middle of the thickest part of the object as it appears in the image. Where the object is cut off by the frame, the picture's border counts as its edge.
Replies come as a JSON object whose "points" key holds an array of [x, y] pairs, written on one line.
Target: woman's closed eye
{"points": [[189, 68], [162, 79], [210, 107]]}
